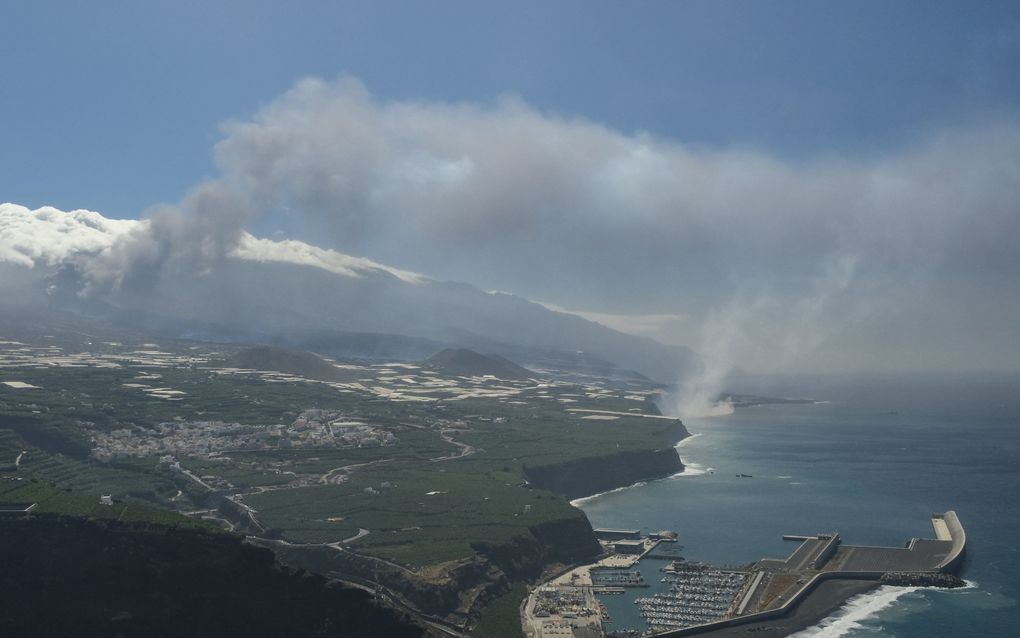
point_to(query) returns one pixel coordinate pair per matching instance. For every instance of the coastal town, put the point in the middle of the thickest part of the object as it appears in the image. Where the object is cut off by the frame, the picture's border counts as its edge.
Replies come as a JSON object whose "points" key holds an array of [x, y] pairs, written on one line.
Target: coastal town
{"points": [[313, 428]]}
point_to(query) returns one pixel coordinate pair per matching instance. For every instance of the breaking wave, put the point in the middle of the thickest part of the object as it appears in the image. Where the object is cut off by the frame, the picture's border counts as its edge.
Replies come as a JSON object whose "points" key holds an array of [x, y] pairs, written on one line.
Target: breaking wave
{"points": [[687, 440], [857, 609], [690, 469], [578, 502]]}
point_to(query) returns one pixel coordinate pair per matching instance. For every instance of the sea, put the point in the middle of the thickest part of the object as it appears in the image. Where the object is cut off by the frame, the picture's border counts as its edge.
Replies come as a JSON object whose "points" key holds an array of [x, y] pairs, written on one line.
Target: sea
{"points": [[872, 458]]}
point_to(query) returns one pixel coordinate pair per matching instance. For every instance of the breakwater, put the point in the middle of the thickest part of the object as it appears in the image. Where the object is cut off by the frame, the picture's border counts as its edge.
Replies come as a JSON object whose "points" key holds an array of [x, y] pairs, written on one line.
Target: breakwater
{"points": [[820, 561]]}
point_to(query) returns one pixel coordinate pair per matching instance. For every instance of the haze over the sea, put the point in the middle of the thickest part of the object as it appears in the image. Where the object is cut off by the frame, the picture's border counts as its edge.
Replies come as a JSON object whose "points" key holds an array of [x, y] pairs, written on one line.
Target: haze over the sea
{"points": [[873, 464]]}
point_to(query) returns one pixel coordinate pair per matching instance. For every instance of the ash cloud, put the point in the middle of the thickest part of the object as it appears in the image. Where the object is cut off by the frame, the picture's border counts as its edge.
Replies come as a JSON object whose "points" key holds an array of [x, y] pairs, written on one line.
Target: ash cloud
{"points": [[570, 211], [904, 260]]}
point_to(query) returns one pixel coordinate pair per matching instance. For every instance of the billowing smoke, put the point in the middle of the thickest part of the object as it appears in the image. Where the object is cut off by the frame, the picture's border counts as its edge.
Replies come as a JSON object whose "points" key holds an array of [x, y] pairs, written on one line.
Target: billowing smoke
{"points": [[781, 328], [589, 218], [916, 245]]}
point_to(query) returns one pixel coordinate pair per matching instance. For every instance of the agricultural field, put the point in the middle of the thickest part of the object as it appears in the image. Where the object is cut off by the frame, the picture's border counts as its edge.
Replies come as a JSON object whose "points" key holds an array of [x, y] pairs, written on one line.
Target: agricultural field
{"points": [[51, 500], [393, 460]]}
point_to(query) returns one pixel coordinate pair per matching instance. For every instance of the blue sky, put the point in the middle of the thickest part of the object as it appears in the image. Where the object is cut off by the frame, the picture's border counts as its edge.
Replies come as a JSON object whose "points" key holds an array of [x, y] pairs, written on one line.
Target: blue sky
{"points": [[115, 106], [786, 184]]}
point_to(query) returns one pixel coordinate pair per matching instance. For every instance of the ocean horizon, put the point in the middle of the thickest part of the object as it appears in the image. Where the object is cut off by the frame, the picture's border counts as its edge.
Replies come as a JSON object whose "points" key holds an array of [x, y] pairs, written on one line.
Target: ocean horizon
{"points": [[873, 459]]}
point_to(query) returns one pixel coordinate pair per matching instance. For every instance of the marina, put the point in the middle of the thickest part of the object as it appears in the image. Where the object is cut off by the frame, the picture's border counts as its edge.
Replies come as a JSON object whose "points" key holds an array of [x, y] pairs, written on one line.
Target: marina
{"points": [[675, 597], [698, 594]]}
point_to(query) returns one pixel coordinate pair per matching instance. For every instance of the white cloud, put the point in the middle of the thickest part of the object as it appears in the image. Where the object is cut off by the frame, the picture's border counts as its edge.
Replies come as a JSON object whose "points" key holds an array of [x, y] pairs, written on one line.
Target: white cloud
{"points": [[47, 238], [296, 252], [50, 236]]}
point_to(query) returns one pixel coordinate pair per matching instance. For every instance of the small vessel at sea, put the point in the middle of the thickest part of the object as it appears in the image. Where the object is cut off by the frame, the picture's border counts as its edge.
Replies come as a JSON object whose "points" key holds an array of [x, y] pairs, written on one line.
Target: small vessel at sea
{"points": [[744, 476]]}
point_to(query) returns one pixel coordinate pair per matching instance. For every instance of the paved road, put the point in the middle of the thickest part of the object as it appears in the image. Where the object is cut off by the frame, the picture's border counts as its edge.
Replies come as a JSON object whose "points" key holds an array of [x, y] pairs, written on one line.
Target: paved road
{"points": [[465, 449], [361, 533], [340, 474], [251, 511], [195, 478]]}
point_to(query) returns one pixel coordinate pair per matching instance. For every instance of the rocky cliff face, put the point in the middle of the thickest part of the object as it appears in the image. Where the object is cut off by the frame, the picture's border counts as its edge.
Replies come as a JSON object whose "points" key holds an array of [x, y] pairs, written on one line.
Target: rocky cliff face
{"points": [[455, 591], [564, 541], [587, 476], [439, 593]]}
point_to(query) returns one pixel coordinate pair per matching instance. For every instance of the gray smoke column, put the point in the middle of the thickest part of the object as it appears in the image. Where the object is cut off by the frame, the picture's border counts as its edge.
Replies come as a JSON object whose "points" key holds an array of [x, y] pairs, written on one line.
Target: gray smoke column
{"points": [[784, 327], [186, 240]]}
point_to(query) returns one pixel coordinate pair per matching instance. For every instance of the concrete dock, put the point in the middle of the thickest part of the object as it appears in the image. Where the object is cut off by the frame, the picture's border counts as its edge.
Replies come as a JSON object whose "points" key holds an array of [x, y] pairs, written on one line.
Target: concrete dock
{"points": [[567, 605], [780, 596], [786, 595]]}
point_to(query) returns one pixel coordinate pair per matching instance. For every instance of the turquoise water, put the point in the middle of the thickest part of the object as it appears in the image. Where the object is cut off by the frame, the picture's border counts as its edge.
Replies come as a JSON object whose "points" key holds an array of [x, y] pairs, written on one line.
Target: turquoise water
{"points": [[873, 465]]}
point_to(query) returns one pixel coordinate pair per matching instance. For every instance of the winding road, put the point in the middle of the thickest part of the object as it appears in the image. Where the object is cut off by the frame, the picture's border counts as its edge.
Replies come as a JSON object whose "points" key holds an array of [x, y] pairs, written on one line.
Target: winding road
{"points": [[340, 474], [465, 449]]}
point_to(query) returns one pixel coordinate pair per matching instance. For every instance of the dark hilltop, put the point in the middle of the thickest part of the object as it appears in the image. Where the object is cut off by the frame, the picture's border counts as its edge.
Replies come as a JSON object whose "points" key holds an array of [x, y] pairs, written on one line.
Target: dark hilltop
{"points": [[462, 362]]}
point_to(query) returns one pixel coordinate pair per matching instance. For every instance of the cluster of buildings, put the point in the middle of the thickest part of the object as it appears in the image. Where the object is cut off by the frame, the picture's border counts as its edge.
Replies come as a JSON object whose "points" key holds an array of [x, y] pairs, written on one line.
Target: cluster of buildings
{"points": [[565, 602], [312, 429], [331, 428]]}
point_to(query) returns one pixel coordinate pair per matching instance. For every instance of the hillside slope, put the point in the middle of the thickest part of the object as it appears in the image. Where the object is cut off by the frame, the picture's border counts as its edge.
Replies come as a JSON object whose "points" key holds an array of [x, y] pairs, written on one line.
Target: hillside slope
{"points": [[303, 364], [258, 290], [156, 581], [468, 363]]}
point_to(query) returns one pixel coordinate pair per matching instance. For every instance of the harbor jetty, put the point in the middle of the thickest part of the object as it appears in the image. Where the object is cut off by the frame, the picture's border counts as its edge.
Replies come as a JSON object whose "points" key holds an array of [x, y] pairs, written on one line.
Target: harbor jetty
{"points": [[780, 596]]}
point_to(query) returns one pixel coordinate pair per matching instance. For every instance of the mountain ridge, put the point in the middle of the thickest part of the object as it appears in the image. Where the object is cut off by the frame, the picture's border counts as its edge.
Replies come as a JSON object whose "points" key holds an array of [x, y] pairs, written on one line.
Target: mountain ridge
{"points": [[303, 364], [282, 292]]}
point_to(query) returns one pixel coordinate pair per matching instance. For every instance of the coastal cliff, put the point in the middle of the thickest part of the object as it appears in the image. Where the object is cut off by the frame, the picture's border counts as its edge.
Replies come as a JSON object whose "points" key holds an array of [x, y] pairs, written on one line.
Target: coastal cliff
{"points": [[586, 476], [456, 591], [561, 541], [453, 592]]}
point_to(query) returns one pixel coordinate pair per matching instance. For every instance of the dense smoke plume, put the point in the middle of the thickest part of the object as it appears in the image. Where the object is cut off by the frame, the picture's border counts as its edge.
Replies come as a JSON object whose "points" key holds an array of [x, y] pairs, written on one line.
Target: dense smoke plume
{"points": [[784, 329], [765, 262]]}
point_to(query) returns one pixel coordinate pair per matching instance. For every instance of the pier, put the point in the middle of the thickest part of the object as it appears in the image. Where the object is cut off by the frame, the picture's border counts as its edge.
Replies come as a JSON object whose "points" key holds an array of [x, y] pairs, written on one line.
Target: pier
{"points": [[566, 606], [822, 572], [777, 596]]}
